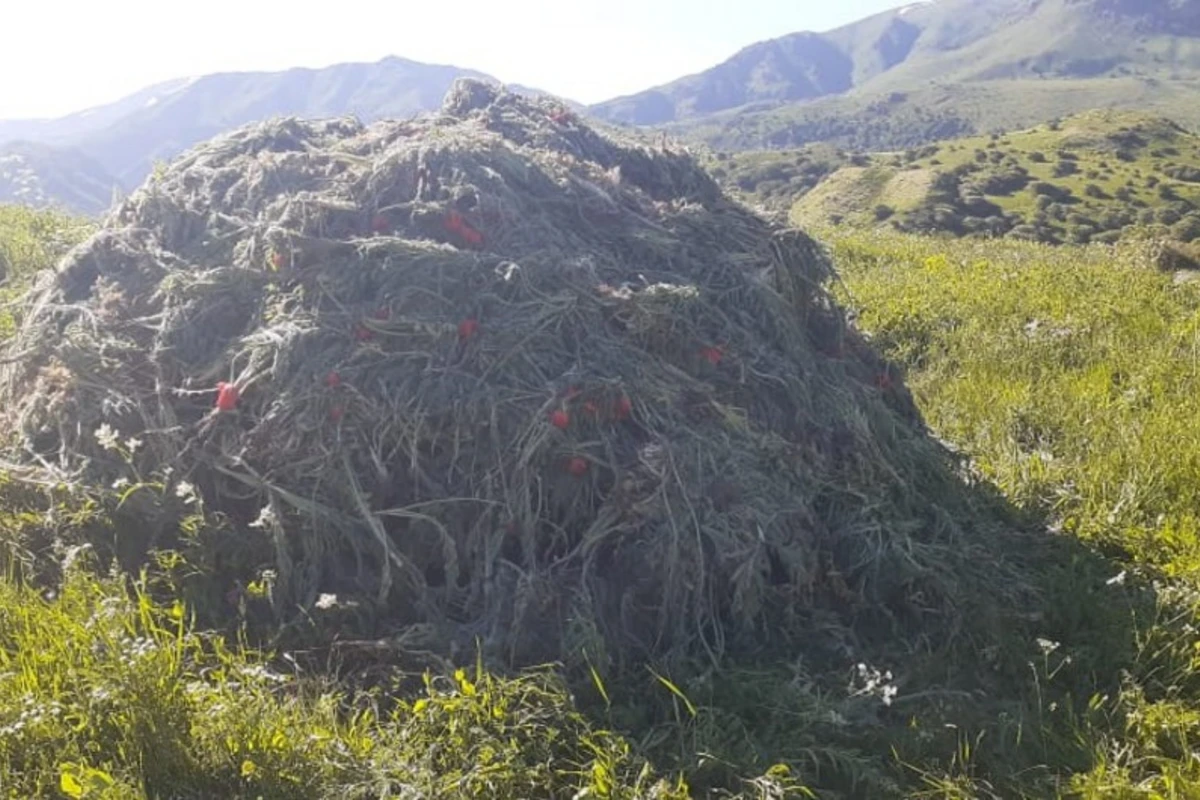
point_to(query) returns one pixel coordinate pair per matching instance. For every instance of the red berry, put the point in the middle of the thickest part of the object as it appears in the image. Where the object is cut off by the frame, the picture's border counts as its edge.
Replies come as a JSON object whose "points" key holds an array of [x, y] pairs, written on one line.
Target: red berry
{"points": [[363, 333], [333, 380], [624, 407], [467, 328], [577, 467], [560, 419]]}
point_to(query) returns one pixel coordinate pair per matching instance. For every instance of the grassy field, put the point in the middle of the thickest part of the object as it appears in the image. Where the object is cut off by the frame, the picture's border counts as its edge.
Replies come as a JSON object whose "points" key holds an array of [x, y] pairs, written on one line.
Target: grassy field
{"points": [[1071, 378]]}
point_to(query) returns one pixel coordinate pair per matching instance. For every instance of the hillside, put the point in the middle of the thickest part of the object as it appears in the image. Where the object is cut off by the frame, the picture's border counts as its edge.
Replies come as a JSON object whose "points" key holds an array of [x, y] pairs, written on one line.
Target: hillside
{"points": [[126, 138], [41, 176], [935, 70], [1091, 177]]}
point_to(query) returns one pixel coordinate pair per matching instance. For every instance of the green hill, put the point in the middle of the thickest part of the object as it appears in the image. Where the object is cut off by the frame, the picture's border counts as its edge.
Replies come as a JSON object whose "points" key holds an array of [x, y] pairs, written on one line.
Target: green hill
{"points": [[1092, 177]]}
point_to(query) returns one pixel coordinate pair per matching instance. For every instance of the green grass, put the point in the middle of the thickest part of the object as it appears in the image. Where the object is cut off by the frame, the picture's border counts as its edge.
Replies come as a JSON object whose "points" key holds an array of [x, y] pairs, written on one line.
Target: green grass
{"points": [[31, 241], [106, 694], [1071, 378]]}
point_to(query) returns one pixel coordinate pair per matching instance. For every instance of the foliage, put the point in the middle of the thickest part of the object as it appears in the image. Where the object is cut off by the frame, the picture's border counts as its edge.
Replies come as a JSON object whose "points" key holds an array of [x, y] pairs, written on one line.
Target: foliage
{"points": [[31, 241], [106, 694]]}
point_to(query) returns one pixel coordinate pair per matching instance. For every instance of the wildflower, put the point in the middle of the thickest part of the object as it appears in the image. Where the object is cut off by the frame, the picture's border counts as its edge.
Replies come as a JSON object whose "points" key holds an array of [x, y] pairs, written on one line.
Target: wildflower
{"points": [[265, 518], [1047, 646], [107, 437], [327, 601], [186, 491], [132, 444]]}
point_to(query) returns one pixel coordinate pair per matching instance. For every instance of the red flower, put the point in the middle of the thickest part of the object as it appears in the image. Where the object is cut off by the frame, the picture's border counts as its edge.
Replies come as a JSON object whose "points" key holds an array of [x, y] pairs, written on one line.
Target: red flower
{"points": [[333, 380], [468, 328], [713, 355], [457, 225], [560, 419], [472, 236], [577, 467], [227, 396]]}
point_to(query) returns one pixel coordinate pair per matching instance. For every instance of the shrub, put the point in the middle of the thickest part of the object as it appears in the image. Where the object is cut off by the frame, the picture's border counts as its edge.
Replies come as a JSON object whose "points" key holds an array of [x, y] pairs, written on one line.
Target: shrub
{"points": [[1184, 173], [1187, 229], [1065, 168]]}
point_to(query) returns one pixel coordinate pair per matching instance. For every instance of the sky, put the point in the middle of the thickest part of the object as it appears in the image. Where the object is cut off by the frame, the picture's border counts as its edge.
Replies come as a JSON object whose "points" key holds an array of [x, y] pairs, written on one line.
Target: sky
{"points": [[69, 55]]}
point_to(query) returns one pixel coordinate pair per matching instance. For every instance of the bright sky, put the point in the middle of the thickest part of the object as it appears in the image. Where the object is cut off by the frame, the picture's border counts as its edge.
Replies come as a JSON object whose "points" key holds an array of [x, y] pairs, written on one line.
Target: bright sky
{"points": [[68, 55]]}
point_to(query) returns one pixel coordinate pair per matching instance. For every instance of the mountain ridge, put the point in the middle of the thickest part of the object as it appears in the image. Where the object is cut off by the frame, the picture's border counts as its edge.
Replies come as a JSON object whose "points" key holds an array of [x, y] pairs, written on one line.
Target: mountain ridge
{"points": [[915, 48], [127, 137]]}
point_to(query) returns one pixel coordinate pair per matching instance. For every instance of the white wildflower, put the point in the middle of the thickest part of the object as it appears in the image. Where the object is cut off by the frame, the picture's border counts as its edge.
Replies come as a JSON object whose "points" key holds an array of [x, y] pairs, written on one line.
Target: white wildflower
{"points": [[1047, 646], [186, 491], [107, 437], [120, 483], [874, 683], [327, 601], [266, 518], [132, 444]]}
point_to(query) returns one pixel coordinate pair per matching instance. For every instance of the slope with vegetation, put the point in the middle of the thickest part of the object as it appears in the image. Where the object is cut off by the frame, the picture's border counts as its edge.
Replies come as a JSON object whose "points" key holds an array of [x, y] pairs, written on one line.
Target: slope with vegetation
{"points": [[1097, 176], [1069, 376], [40, 176]]}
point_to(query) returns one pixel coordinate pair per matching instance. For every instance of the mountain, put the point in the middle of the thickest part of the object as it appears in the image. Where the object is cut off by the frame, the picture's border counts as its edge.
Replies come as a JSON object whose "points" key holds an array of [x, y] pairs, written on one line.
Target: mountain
{"points": [[937, 69], [42, 176], [92, 120], [126, 138]]}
